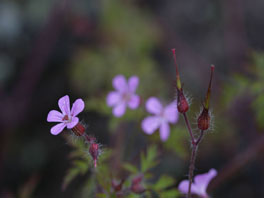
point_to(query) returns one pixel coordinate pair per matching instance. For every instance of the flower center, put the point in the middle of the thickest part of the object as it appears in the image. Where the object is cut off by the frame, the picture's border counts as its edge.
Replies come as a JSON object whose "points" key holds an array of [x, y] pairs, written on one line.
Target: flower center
{"points": [[126, 96], [66, 118], [162, 116]]}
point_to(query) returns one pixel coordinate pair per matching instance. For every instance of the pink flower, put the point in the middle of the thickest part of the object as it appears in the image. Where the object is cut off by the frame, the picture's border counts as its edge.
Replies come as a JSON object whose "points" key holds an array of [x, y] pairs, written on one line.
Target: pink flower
{"points": [[67, 117], [200, 184], [124, 95], [161, 118]]}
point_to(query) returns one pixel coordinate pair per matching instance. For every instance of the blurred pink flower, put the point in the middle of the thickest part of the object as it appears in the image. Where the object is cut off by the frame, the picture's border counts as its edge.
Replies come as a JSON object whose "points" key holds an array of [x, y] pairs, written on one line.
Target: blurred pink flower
{"points": [[200, 184], [124, 95], [67, 117], [161, 118]]}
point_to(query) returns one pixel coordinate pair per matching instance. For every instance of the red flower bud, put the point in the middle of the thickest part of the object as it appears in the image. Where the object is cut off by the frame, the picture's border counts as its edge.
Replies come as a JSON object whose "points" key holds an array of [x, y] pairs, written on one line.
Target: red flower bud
{"points": [[182, 103], [204, 120], [94, 152], [136, 185], [79, 129], [117, 186]]}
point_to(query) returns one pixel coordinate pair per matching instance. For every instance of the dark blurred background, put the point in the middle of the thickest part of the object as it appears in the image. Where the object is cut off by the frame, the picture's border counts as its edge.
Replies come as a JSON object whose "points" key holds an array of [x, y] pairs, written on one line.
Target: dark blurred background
{"points": [[52, 48]]}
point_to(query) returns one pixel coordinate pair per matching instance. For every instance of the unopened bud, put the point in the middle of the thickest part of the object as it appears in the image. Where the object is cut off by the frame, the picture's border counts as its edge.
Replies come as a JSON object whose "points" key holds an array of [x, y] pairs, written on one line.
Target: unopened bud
{"points": [[182, 103], [117, 186], [136, 185], [79, 129], [178, 81], [204, 117], [94, 152], [204, 120]]}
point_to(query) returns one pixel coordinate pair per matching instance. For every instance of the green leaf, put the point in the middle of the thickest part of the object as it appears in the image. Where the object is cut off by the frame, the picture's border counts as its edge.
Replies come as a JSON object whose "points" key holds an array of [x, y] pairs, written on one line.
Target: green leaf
{"points": [[163, 182], [72, 173], [148, 161], [101, 195], [258, 106], [131, 168], [173, 193], [177, 141]]}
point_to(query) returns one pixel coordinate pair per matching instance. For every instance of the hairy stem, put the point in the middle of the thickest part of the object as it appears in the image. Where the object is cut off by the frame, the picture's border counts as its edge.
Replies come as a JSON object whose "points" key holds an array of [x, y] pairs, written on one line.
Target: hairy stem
{"points": [[189, 128], [192, 162]]}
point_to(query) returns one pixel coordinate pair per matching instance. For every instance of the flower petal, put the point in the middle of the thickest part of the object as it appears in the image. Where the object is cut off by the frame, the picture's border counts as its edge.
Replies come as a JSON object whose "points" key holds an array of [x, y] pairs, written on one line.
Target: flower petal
{"points": [[119, 83], [73, 122], [57, 128], [171, 112], [183, 186], [64, 104], [201, 181], [133, 83], [77, 107], [150, 124], [134, 101], [119, 109], [164, 131], [154, 106], [54, 116], [113, 98]]}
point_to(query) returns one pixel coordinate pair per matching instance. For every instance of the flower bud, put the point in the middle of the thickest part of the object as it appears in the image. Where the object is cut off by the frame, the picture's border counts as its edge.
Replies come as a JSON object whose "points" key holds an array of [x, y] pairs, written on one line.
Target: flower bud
{"points": [[182, 103], [204, 120], [78, 129], [136, 185], [204, 117], [94, 152], [117, 186]]}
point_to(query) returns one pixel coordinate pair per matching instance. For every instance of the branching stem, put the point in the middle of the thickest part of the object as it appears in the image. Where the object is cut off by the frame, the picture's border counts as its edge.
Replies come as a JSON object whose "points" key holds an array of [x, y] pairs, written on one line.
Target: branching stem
{"points": [[195, 144]]}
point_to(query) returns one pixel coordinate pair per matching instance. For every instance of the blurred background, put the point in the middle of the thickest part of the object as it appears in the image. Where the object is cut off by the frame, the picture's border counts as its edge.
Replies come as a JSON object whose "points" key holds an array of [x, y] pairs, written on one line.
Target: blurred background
{"points": [[52, 48]]}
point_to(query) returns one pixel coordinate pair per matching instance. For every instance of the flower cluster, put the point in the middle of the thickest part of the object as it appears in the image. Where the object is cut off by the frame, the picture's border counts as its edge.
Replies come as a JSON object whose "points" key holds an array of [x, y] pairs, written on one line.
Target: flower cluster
{"points": [[68, 117], [160, 118], [125, 96]]}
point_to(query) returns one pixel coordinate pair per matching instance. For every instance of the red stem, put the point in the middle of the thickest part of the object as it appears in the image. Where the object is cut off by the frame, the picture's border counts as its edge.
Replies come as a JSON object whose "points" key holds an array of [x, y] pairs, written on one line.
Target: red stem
{"points": [[192, 162]]}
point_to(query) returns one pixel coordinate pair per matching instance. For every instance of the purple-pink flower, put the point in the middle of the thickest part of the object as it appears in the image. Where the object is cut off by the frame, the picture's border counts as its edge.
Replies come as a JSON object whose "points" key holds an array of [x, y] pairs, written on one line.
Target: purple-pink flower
{"points": [[67, 117], [161, 118], [124, 95], [200, 184]]}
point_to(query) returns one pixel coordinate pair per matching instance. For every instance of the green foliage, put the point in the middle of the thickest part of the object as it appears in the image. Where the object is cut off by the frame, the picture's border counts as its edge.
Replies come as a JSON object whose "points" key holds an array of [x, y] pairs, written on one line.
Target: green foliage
{"points": [[163, 182], [249, 86], [131, 168], [124, 51], [149, 160], [81, 161], [162, 187], [177, 141]]}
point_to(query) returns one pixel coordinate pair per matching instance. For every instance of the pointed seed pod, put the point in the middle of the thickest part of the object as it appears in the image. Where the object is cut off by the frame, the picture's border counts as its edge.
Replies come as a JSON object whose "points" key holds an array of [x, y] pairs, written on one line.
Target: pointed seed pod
{"points": [[182, 103], [204, 118], [94, 152]]}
